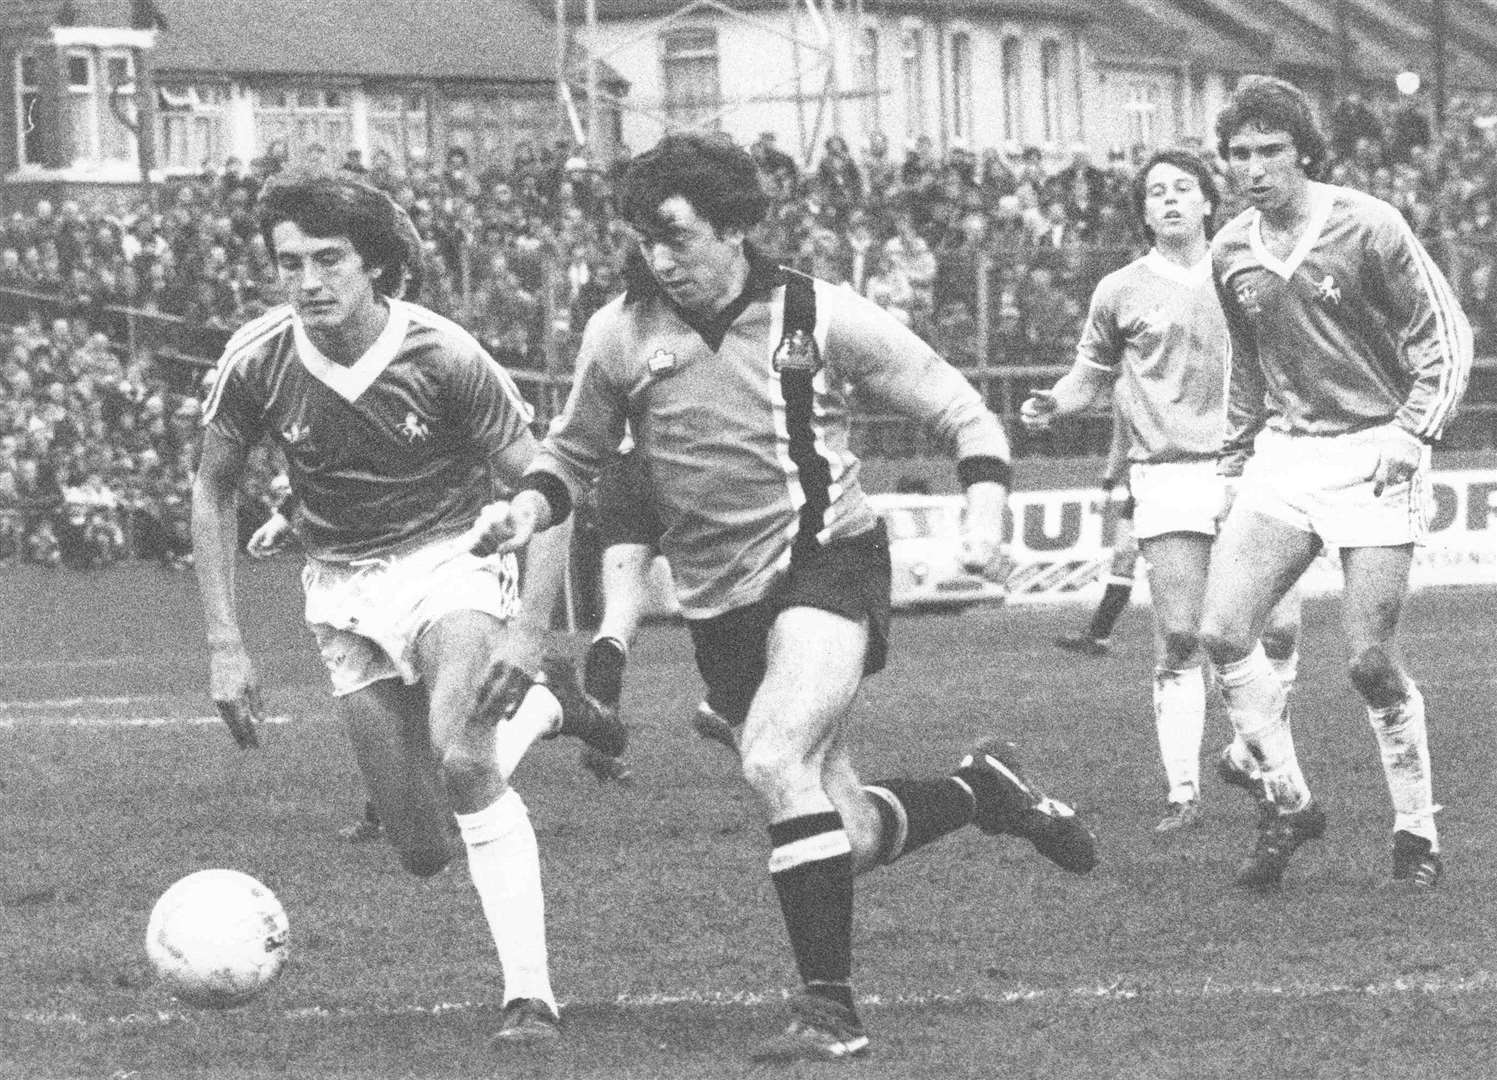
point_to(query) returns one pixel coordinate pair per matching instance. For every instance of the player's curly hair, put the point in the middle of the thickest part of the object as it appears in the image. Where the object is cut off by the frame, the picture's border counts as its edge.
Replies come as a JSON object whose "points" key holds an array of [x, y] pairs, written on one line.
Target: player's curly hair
{"points": [[377, 227], [714, 174], [1186, 161], [1270, 104]]}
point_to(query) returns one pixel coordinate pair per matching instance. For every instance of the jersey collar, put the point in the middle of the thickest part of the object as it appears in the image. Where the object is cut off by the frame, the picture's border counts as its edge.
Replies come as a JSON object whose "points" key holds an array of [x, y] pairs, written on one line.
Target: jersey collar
{"points": [[1322, 199], [351, 381], [1195, 274]]}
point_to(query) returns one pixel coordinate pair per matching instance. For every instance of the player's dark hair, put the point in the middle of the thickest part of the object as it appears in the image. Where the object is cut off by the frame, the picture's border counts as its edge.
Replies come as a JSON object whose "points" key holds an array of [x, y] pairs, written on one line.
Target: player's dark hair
{"points": [[1269, 104], [326, 206], [714, 174], [1185, 161]]}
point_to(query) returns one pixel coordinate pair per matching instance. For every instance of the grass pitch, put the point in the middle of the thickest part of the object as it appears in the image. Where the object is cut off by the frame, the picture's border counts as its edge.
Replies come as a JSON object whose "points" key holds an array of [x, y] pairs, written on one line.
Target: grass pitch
{"points": [[975, 958]]}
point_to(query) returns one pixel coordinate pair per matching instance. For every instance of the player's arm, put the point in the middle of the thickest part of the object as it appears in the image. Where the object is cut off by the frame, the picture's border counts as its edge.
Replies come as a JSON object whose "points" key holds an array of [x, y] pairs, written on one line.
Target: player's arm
{"points": [[1435, 345], [582, 438], [896, 370], [215, 543], [1094, 369], [1246, 386]]}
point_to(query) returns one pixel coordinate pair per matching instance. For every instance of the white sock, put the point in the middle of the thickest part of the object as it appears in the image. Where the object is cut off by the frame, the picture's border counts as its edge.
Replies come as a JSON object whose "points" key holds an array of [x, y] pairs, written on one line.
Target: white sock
{"points": [[1180, 723], [1255, 705], [538, 715], [504, 863], [1404, 743]]}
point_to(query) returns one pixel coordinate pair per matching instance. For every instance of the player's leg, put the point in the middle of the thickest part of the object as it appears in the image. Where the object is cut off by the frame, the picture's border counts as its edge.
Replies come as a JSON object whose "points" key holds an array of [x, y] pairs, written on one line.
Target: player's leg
{"points": [[454, 655], [1376, 584], [386, 724], [1117, 590], [624, 580], [1178, 563], [1256, 561]]}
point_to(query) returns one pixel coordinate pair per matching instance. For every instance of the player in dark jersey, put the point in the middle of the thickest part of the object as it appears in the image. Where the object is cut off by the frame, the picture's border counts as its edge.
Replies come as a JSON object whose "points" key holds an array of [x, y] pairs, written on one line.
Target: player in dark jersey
{"points": [[1349, 355], [733, 376], [396, 427]]}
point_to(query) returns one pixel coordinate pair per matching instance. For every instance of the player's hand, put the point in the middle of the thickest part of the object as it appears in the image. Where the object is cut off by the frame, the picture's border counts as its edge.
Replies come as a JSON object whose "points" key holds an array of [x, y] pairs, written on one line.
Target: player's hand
{"points": [[1038, 411], [271, 538], [1399, 455], [503, 526], [236, 694], [982, 548]]}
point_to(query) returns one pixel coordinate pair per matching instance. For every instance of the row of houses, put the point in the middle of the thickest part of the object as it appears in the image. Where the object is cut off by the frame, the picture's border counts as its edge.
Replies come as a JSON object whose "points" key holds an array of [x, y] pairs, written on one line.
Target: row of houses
{"points": [[96, 93]]}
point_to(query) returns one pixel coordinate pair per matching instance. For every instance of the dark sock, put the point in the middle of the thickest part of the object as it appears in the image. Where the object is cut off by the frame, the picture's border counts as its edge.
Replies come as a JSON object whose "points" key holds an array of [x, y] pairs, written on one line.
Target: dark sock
{"points": [[1112, 605], [603, 670], [915, 812], [811, 867]]}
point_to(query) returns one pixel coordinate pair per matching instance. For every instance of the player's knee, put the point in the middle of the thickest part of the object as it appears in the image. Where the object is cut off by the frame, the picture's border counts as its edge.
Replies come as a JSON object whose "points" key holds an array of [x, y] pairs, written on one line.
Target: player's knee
{"points": [[1179, 647], [1222, 644], [1279, 642], [466, 768], [771, 766], [1377, 676]]}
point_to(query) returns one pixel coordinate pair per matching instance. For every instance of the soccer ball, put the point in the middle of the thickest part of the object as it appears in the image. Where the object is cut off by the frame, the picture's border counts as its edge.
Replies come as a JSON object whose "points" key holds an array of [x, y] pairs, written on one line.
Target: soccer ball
{"points": [[217, 938]]}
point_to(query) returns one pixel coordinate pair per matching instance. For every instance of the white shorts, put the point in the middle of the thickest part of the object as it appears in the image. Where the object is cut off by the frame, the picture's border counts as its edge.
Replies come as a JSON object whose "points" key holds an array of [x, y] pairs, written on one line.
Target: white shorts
{"points": [[367, 615], [1322, 484], [1176, 497]]}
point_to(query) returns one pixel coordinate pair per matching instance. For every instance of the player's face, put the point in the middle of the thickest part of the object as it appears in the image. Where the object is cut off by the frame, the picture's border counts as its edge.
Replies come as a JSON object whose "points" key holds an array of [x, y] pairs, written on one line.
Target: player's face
{"points": [[698, 269], [1175, 207], [1266, 168], [324, 278]]}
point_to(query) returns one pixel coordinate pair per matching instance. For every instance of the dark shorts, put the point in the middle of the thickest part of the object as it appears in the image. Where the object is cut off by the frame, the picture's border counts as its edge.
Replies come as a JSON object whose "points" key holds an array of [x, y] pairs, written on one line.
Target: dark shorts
{"points": [[850, 577], [626, 513]]}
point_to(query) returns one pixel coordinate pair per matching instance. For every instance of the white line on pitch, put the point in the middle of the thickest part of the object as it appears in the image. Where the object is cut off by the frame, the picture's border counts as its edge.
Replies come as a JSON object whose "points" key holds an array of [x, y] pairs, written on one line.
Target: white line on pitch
{"points": [[102, 721], [45, 704], [1119, 988]]}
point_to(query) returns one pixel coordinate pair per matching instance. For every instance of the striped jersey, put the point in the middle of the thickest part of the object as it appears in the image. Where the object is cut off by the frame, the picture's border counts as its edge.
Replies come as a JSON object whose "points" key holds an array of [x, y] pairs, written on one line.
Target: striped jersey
{"points": [[389, 450], [1356, 327], [1157, 328], [745, 464]]}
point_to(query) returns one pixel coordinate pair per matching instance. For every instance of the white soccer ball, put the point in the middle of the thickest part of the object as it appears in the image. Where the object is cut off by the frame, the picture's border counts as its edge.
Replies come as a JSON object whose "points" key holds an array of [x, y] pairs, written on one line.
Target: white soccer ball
{"points": [[217, 938]]}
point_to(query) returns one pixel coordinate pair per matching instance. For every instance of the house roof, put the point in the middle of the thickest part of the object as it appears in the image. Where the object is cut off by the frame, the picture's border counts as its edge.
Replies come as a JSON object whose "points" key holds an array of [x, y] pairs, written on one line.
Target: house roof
{"points": [[1139, 30], [504, 40], [1066, 10]]}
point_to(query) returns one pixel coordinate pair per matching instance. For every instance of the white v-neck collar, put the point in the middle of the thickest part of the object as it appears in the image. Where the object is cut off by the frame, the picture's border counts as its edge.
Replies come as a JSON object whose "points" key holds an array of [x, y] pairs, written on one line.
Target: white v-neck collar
{"points": [[350, 381], [1321, 201], [1194, 274]]}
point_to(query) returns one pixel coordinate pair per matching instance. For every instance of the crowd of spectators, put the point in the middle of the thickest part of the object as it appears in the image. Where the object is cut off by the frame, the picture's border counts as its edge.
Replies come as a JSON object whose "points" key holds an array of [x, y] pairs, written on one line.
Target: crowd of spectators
{"points": [[522, 255]]}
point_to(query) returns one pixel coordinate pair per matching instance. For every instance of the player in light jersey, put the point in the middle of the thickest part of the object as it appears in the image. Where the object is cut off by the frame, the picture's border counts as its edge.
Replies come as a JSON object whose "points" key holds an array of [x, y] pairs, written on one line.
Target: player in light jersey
{"points": [[732, 375], [1096, 638], [1156, 334], [397, 427], [1349, 355]]}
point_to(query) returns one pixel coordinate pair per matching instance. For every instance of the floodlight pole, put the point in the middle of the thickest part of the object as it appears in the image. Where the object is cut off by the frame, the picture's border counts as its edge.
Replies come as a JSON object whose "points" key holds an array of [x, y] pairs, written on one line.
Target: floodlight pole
{"points": [[594, 149]]}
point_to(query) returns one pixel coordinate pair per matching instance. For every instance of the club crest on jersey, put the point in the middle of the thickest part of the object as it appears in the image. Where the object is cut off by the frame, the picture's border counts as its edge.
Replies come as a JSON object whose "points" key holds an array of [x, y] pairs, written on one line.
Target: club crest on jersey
{"points": [[413, 429], [798, 351], [661, 361], [296, 433], [1328, 291], [1247, 296]]}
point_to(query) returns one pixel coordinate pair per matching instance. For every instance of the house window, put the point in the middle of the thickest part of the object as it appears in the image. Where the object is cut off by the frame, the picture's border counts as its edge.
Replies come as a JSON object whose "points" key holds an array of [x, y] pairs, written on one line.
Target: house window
{"points": [[83, 105], [868, 87], [309, 125], [193, 125], [399, 125], [1142, 111], [118, 112], [912, 57], [1050, 90], [693, 93], [1013, 120], [961, 87], [28, 109]]}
